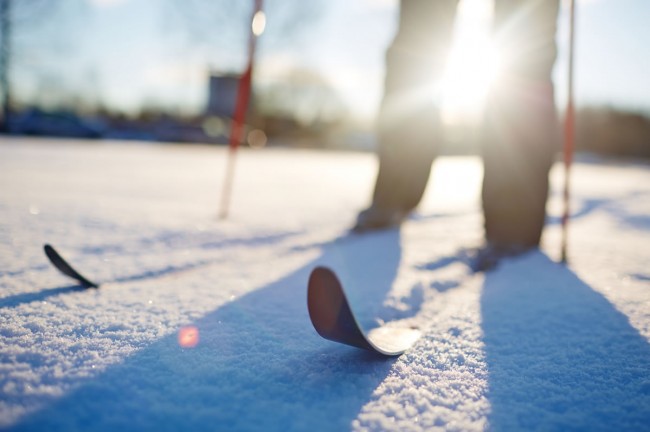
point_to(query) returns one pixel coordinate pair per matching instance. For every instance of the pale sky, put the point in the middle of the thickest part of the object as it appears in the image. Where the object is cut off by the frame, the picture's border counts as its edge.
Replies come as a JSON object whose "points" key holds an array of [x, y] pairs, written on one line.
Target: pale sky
{"points": [[129, 53]]}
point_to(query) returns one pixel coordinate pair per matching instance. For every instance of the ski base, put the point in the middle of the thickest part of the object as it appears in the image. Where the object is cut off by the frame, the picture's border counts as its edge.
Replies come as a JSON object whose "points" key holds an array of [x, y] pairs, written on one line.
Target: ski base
{"points": [[333, 319]]}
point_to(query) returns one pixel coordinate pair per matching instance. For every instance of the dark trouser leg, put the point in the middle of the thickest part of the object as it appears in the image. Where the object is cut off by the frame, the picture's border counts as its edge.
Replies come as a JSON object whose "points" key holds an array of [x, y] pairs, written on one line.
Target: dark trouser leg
{"points": [[522, 132], [408, 121]]}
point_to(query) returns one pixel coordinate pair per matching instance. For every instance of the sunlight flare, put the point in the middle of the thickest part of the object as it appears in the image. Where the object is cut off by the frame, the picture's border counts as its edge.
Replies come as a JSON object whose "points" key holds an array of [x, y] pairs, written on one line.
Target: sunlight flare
{"points": [[472, 64], [188, 337]]}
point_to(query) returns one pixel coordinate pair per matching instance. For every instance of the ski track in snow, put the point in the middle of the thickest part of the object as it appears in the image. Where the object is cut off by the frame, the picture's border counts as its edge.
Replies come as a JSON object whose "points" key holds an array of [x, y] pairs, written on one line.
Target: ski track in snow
{"points": [[531, 345]]}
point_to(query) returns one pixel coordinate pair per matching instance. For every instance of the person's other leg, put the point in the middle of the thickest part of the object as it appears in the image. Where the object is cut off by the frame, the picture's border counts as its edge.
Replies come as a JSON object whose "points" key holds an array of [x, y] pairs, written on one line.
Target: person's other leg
{"points": [[408, 120], [522, 131]]}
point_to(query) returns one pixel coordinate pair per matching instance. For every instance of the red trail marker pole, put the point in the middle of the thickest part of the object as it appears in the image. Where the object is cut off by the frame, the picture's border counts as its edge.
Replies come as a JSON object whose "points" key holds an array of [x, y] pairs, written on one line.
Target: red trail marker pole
{"points": [[241, 107], [569, 136]]}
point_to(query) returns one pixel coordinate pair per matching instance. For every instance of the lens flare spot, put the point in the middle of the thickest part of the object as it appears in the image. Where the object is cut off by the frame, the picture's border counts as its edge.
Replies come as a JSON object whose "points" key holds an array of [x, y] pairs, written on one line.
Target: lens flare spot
{"points": [[214, 126], [259, 23], [188, 337], [257, 138]]}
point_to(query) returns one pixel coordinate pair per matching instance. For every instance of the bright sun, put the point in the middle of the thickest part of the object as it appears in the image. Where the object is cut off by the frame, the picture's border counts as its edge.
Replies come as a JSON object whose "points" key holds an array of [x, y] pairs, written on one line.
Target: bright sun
{"points": [[471, 66]]}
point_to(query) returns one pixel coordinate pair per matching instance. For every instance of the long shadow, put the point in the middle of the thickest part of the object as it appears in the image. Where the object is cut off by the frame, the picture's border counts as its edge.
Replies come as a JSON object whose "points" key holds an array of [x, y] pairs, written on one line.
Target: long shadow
{"points": [[176, 239], [641, 277], [587, 206], [259, 364], [559, 355], [44, 294], [22, 271], [18, 299], [166, 271], [169, 270], [611, 206]]}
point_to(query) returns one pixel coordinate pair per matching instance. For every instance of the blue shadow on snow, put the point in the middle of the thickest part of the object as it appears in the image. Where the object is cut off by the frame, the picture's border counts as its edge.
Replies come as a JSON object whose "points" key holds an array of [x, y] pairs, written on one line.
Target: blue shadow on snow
{"points": [[259, 364], [559, 355]]}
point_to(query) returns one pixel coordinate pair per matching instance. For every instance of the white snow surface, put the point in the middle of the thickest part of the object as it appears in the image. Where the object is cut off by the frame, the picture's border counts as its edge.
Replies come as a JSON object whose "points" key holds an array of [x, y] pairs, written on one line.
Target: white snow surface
{"points": [[532, 345]]}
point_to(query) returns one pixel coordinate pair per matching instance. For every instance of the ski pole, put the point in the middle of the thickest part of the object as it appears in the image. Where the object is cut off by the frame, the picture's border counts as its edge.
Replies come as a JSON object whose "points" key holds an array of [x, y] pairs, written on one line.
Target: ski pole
{"points": [[241, 107], [569, 135]]}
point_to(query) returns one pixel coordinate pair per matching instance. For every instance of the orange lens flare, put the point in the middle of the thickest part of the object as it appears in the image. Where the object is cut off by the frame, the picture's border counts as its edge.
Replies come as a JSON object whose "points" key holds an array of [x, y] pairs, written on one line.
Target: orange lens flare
{"points": [[188, 337]]}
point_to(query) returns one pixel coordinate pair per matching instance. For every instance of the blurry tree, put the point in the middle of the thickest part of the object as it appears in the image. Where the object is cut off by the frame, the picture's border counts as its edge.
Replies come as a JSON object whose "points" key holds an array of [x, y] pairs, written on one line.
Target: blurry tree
{"points": [[18, 18], [301, 95], [606, 130], [218, 31], [224, 25], [5, 55]]}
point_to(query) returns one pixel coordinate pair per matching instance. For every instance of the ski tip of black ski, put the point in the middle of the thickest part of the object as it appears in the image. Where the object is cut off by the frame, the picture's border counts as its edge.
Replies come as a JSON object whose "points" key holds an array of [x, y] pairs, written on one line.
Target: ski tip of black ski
{"points": [[64, 267], [333, 319]]}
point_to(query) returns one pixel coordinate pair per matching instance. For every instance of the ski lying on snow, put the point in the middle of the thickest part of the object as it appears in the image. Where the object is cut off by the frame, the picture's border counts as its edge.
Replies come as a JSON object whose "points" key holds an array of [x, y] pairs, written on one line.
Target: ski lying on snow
{"points": [[333, 319], [328, 306], [62, 265], [66, 268]]}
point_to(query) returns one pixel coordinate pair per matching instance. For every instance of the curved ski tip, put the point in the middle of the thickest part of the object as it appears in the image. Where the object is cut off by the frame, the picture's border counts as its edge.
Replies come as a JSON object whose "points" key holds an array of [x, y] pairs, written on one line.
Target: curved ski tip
{"points": [[333, 319], [64, 267], [324, 273], [326, 302], [330, 312]]}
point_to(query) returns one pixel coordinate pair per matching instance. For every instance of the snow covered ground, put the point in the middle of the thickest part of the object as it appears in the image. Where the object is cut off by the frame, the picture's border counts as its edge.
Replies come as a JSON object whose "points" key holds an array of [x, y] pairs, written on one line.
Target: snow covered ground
{"points": [[531, 345]]}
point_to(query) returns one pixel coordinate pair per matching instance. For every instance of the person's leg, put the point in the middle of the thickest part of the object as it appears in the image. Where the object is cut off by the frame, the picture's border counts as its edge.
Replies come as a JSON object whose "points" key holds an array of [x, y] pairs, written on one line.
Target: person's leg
{"points": [[408, 120], [522, 131]]}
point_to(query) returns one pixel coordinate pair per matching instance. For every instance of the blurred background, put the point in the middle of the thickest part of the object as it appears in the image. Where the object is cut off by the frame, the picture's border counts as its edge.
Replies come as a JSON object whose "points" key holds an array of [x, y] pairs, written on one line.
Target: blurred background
{"points": [[167, 70]]}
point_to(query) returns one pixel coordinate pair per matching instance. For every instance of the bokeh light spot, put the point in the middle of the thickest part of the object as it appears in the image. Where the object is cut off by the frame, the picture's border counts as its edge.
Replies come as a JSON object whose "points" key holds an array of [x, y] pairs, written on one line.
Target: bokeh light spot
{"points": [[214, 127], [188, 337], [259, 23], [257, 138]]}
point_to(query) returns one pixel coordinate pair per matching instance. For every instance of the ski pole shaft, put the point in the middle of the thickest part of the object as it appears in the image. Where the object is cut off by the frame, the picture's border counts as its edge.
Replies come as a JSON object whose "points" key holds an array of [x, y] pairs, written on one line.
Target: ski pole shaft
{"points": [[239, 115], [569, 136]]}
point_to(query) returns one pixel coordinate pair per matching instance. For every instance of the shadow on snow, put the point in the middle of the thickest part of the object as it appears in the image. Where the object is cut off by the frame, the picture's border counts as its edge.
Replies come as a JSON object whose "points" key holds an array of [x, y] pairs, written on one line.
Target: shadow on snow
{"points": [[259, 364], [18, 299], [559, 355], [173, 269]]}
